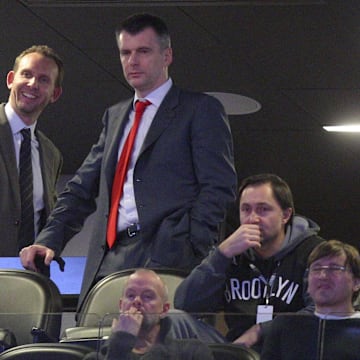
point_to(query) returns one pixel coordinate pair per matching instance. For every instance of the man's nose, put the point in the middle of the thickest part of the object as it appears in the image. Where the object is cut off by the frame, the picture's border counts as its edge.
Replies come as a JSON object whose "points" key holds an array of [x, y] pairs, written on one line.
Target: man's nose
{"points": [[253, 218], [133, 58], [33, 82], [323, 273], [137, 300]]}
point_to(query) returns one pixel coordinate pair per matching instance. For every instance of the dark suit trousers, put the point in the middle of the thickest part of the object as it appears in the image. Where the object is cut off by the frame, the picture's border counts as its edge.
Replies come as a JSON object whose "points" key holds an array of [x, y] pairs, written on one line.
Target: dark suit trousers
{"points": [[127, 252]]}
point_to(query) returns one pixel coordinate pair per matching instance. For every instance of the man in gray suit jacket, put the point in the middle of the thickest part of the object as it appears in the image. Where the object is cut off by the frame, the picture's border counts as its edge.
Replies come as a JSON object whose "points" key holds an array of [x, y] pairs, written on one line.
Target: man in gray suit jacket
{"points": [[34, 82], [181, 177]]}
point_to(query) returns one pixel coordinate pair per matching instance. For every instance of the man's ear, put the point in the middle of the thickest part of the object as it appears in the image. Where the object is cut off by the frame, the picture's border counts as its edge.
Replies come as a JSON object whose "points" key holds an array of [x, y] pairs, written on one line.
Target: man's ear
{"points": [[56, 94], [166, 308], [356, 284], [287, 215], [168, 56], [10, 79]]}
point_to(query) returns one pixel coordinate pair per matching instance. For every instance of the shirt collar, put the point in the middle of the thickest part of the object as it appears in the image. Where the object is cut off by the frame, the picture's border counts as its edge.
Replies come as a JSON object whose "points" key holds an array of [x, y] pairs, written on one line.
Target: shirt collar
{"points": [[15, 121], [157, 95], [337, 317]]}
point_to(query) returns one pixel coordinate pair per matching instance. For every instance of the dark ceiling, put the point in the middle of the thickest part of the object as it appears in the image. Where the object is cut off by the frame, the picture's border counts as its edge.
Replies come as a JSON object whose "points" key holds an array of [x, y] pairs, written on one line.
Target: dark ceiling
{"points": [[299, 59]]}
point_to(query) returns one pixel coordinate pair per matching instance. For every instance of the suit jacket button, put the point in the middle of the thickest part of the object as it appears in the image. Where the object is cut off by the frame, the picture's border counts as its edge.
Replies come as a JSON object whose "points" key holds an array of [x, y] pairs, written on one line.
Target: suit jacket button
{"points": [[16, 222]]}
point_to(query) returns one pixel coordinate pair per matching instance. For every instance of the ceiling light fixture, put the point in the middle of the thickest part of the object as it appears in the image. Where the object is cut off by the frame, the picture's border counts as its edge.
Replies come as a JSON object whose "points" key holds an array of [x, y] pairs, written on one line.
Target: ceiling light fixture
{"points": [[236, 104], [343, 128]]}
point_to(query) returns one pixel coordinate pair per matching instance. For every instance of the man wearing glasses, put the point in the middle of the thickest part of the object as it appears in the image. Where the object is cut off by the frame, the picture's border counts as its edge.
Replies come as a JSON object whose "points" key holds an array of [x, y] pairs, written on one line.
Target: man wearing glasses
{"points": [[333, 333], [334, 279]]}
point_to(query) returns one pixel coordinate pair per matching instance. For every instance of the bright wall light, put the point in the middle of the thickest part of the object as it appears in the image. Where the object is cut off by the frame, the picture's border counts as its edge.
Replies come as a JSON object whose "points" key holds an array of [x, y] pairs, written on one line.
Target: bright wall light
{"points": [[343, 128]]}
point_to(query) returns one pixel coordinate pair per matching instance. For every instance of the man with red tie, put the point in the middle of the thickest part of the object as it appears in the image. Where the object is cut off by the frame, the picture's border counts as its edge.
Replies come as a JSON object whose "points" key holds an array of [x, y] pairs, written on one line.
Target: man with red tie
{"points": [[179, 177]]}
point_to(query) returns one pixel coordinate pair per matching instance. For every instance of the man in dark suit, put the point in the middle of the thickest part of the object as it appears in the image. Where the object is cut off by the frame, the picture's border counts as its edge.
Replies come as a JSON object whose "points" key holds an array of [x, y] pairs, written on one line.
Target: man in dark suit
{"points": [[180, 179], [34, 82]]}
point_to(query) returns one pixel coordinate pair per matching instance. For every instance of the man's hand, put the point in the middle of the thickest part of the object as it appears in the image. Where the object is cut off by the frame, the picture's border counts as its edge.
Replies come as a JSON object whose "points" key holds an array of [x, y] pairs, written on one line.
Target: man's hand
{"points": [[29, 253], [128, 321], [250, 337], [245, 237]]}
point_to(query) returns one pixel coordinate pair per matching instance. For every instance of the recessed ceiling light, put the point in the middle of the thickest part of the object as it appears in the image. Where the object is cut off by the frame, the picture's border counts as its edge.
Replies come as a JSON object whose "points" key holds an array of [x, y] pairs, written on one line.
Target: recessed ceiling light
{"points": [[236, 104], [343, 128]]}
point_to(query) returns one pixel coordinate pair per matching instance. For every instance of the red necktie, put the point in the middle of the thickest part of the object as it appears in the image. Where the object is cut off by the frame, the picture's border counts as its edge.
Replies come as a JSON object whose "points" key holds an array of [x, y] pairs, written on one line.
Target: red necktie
{"points": [[121, 171]]}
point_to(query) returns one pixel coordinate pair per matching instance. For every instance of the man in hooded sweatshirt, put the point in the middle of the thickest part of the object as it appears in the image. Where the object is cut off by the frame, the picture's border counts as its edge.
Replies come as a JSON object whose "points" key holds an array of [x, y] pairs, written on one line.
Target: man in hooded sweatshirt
{"points": [[260, 269]]}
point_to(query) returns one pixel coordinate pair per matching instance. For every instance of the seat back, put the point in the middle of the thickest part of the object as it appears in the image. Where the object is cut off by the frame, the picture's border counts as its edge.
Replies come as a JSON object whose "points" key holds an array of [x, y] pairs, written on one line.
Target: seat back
{"points": [[51, 351], [104, 297], [28, 300], [233, 352], [181, 326], [339, 339]]}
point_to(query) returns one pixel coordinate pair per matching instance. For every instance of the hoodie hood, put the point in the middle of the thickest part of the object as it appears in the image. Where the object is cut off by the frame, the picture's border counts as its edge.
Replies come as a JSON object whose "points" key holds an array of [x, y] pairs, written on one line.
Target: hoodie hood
{"points": [[299, 229]]}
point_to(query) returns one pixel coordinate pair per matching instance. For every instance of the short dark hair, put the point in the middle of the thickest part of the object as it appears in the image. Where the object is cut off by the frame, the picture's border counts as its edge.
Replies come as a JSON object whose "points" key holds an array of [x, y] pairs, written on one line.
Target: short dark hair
{"points": [[139, 22], [47, 52], [280, 188]]}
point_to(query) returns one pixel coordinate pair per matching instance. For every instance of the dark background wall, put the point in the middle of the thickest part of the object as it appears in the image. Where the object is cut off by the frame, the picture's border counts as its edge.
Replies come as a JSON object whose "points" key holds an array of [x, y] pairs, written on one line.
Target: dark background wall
{"points": [[299, 59]]}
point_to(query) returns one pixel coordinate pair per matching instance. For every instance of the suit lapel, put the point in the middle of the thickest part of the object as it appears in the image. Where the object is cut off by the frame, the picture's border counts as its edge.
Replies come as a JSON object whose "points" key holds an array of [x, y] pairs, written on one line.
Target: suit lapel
{"points": [[114, 133], [8, 152], [163, 118], [46, 165]]}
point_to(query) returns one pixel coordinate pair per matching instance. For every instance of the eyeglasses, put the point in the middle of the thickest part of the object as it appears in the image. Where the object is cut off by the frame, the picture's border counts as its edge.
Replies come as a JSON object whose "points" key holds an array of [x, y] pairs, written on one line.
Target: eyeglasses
{"points": [[328, 269]]}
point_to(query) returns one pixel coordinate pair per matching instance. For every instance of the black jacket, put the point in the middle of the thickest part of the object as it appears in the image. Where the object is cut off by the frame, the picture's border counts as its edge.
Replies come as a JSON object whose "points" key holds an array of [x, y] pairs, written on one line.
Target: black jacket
{"points": [[296, 337]]}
